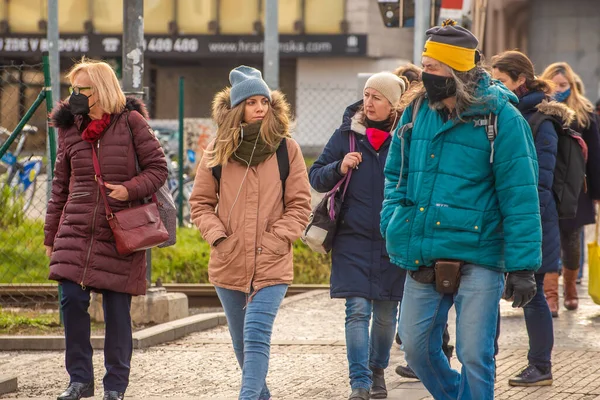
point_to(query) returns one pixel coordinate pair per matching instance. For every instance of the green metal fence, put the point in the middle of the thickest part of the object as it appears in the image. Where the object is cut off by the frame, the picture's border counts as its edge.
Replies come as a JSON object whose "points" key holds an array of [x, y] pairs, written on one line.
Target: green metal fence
{"points": [[25, 176]]}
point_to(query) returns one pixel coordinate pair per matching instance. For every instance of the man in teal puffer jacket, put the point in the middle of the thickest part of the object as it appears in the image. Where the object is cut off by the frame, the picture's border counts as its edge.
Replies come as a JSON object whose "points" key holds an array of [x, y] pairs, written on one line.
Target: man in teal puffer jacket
{"points": [[461, 185]]}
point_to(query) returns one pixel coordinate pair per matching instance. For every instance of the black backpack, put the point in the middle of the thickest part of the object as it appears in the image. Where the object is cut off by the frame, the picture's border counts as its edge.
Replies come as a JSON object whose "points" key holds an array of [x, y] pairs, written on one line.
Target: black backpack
{"points": [[569, 171], [283, 161]]}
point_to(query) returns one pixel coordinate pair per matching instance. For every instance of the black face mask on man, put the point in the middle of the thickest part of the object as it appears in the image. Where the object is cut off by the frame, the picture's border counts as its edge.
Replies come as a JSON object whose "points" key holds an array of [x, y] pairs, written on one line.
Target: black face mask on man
{"points": [[438, 87], [80, 104]]}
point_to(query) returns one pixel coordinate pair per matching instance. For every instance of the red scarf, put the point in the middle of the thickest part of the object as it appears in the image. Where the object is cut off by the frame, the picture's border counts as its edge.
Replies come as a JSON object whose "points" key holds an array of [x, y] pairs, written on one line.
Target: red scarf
{"points": [[377, 137], [95, 128]]}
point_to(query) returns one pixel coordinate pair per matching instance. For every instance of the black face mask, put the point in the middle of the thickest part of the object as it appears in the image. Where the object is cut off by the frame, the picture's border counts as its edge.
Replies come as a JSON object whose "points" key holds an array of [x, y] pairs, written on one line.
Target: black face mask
{"points": [[80, 104], [438, 87]]}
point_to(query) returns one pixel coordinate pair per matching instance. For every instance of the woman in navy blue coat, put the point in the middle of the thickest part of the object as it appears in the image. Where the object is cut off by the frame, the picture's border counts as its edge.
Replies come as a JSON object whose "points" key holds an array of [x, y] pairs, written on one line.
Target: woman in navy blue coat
{"points": [[361, 269], [568, 92], [516, 72]]}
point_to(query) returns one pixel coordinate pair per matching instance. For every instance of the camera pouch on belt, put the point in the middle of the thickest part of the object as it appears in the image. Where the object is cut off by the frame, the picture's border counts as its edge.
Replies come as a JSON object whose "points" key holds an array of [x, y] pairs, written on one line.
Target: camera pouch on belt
{"points": [[447, 276]]}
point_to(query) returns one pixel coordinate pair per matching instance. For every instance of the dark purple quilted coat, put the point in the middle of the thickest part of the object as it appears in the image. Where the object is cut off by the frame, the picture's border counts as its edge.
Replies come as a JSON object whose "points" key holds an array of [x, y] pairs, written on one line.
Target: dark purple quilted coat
{"points": [[76, 225]]}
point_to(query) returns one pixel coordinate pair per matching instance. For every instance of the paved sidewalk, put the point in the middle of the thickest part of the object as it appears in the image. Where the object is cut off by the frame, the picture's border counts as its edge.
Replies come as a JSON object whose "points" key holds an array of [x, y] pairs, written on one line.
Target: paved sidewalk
{"points": [[308, 360]]}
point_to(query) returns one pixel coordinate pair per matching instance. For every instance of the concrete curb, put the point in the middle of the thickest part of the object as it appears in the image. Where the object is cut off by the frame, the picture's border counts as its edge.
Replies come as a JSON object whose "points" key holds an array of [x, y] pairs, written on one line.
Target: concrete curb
{"points": [[8, 384], [145, 338]]}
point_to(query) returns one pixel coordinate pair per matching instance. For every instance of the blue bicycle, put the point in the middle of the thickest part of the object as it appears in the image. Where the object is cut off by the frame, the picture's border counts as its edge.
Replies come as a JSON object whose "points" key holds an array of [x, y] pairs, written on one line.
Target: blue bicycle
{"points": [[21, 173]]}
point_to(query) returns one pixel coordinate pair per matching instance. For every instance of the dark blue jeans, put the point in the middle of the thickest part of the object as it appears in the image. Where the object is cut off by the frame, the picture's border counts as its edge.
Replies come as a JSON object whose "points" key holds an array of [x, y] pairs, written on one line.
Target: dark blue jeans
{"points": [[538, 320], [250, 326], [118, 342]]}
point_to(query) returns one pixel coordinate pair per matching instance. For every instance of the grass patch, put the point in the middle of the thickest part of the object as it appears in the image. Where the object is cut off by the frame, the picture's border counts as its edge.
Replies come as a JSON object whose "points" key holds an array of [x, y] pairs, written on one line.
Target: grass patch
{"points": [[27, 322], [187, 261], [23, 258], [22, 254]]}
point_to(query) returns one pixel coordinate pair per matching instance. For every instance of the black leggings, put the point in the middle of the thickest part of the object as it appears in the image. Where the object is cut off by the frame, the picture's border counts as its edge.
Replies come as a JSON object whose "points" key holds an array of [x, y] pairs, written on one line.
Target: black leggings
{"points": [[570, 243]]}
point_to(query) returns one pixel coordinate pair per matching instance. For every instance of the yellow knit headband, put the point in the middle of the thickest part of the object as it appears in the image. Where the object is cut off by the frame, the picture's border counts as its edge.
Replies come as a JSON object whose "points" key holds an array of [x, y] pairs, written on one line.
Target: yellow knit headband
{"points": [[457, 58]]}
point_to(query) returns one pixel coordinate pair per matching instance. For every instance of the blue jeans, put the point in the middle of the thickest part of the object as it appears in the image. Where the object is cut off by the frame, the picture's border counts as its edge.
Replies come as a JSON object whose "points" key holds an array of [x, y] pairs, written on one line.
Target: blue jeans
{"points": [[423, 318], [250, 326], [538, 320], [364, 352]]}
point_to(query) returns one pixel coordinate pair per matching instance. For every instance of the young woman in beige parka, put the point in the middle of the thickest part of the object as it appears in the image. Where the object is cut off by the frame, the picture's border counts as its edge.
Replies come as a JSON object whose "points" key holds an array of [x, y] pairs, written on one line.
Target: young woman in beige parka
{"points": [[250, 216]]}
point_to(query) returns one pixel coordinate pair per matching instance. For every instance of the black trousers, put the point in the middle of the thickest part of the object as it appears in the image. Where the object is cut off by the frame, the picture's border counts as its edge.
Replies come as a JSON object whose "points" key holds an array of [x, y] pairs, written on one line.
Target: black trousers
{"points": [[118, 342]]}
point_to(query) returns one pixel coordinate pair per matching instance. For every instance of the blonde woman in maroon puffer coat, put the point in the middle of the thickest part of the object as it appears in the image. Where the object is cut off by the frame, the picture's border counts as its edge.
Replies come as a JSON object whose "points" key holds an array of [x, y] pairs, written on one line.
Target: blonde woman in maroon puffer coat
{"points": [[78, 238]]}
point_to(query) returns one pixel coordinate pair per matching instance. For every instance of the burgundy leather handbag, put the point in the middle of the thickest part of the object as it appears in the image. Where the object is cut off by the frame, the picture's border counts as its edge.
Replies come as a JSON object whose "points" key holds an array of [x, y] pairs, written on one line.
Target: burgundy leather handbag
{"points": [[136, 228]]}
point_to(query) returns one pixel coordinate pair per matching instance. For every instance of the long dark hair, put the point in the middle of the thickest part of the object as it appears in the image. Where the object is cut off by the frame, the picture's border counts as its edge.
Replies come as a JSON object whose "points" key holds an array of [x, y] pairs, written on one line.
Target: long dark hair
{"points": [[516, 64]]}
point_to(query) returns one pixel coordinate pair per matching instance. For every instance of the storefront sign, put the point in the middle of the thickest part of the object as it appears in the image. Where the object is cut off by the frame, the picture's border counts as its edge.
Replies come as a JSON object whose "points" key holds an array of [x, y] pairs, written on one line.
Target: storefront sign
{"points": [[290, 46]]}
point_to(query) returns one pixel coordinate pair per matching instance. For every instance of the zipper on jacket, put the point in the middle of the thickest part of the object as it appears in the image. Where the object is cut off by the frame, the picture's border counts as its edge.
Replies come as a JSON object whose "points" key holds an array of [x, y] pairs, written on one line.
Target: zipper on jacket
{"points": [[87, 260]]}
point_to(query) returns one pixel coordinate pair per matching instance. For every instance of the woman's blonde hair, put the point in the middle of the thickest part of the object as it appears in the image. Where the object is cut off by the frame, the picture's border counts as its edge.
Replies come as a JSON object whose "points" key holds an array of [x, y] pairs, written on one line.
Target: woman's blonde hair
{"points": [[576, 101], [274, 127], [105, 83]]}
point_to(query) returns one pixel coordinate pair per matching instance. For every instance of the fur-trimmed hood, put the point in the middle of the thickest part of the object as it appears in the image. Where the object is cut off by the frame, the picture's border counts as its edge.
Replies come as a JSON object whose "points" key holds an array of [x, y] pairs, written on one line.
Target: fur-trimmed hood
{"points": [[539, 101], [221, 106], [553, 107], [62, 118]]}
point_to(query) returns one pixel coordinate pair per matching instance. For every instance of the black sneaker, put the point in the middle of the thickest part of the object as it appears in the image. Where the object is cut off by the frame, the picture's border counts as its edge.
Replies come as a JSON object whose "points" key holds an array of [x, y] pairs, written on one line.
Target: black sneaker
{"points": [[532, 376]]}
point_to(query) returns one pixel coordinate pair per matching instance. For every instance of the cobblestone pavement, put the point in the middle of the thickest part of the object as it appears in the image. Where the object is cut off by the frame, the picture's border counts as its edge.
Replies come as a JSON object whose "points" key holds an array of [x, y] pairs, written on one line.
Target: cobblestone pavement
{"points": [[308, 360]]}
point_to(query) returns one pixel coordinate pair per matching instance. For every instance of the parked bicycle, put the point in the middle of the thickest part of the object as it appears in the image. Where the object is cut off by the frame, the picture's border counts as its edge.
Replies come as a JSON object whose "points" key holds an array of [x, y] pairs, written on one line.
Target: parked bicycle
{"points": [[173, 179], [21, 173]]}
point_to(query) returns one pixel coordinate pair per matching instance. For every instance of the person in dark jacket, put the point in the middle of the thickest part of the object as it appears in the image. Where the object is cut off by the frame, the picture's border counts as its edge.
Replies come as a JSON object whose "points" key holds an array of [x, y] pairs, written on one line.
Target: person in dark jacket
{"points": [[361, 269], [516, 72], [567, 91], [78, 239]]}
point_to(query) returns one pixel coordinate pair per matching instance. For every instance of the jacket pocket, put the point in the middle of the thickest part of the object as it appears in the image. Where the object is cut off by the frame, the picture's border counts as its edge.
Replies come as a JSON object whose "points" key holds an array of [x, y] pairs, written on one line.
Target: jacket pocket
{"points": [[272, 244], [226, 247], [77, 195], [398, 232], [457, 230]]}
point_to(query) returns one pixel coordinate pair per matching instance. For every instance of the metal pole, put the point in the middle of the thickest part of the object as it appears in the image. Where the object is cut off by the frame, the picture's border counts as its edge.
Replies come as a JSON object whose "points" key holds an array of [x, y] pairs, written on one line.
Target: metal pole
{"points": [[271, 55], [133, 68], [180, 156], [133, 47], [422, 20], [40, 99], [52, 81]]}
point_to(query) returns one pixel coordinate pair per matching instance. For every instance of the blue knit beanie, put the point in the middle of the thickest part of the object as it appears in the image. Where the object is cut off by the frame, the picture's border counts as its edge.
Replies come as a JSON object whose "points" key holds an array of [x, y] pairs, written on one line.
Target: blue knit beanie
{"points": [[247, 82]]}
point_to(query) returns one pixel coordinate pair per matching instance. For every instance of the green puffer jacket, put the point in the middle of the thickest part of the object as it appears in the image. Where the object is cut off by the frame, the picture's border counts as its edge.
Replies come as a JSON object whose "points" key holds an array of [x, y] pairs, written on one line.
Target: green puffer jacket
{"points": [[457, 198]]}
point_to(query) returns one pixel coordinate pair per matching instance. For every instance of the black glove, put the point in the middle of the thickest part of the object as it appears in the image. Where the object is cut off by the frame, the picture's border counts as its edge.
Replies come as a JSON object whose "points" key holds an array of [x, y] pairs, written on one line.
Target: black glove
{"points": [[520, 285]]}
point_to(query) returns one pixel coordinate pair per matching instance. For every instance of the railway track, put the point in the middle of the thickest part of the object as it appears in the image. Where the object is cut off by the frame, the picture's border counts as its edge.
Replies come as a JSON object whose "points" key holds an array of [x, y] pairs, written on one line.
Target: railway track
{"points": [[199, 295]]}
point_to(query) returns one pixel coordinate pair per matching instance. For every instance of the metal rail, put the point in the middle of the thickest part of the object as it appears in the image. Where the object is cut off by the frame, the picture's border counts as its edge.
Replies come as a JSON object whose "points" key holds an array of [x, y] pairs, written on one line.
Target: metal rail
{"points": [[199, 295]]}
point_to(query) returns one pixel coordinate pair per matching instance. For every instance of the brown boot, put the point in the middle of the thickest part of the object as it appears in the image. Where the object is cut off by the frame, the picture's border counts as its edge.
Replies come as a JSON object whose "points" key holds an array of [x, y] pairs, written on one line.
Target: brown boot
{"points": [[551, 292], [570, 288]]}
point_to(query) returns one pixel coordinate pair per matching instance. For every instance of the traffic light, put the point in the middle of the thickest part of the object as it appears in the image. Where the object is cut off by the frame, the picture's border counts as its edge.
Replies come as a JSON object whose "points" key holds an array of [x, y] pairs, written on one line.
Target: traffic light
{"points": [[401, 13], [390, 12]]}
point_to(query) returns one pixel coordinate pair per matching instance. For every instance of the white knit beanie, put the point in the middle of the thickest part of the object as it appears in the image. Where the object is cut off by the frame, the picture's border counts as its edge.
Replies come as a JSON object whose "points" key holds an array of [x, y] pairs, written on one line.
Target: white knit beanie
{"points": [[388, 84]]}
